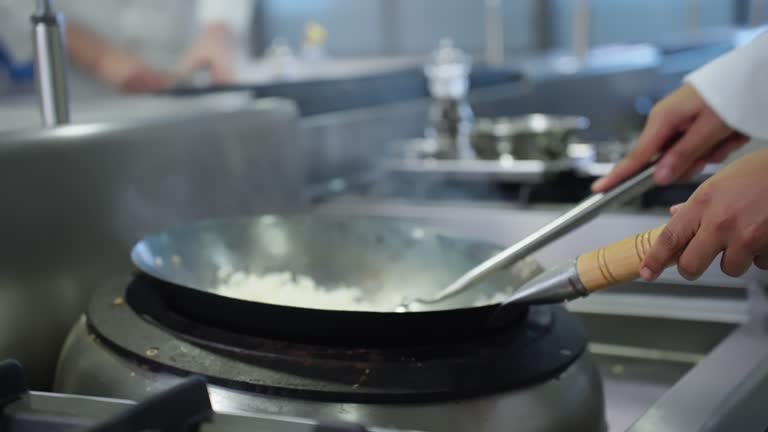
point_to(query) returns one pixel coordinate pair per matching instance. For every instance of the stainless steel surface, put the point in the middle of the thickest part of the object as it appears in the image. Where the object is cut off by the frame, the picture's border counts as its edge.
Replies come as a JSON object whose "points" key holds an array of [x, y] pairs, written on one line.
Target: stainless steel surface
{"points": [[568, 221], [553, 286], [346, 144], [529, 137], [47, 412], [195, 256], [725, 388], [99, 188], [514, 171], [50, 64], [450, 115], [449, 129], [573, 401]]}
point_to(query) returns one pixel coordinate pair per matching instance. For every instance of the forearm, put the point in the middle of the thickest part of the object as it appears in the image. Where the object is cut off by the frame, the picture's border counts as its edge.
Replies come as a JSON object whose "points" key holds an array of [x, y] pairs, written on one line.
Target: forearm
{"points": [[220, 31], [86, 49]]}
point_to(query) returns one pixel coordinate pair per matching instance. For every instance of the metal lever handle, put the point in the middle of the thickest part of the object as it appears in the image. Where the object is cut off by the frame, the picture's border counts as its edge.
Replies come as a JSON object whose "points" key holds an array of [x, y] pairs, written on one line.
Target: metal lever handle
{"points": [[567, 222]]}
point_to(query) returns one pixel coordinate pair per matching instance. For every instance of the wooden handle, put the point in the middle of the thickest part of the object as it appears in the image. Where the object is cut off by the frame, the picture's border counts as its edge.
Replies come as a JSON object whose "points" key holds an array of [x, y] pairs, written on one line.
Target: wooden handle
{"points": [[617, 262]]}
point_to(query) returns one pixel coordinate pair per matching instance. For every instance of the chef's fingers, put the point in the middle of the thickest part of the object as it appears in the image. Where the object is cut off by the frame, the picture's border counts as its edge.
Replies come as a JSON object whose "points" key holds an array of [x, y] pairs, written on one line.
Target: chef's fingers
{"points": [[144, 80], [699, 253], [716, 155], [696, 168], [670, 243], [221, 72], [705, 133], [675, 208], [761, 261], [657, 132], [736, 261], [728, 146], [190, 63]]}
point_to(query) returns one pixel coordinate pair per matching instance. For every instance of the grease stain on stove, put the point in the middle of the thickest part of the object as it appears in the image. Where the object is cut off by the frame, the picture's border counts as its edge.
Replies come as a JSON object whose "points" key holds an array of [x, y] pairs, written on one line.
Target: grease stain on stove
{"points": [[363, 378]]}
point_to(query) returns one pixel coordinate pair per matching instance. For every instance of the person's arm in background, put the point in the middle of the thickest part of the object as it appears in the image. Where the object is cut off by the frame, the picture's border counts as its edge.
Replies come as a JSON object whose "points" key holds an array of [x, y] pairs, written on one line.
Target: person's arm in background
{"points": [[119, 69], [222, 24], [716, 111]]}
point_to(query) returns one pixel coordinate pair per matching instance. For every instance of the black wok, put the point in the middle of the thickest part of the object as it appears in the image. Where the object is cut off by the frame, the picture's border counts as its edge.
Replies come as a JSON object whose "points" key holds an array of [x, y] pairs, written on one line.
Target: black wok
{"points": [[388, 261]]}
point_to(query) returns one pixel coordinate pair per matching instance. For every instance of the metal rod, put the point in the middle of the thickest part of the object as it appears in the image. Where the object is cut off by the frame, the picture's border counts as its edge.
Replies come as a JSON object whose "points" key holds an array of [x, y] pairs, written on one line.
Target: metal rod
{"points": [[50, 64], [567, 222]]}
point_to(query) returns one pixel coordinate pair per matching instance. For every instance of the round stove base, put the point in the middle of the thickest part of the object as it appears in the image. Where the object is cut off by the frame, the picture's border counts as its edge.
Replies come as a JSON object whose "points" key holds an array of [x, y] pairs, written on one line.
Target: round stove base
{"points": [[123, 351], [572, 401]]}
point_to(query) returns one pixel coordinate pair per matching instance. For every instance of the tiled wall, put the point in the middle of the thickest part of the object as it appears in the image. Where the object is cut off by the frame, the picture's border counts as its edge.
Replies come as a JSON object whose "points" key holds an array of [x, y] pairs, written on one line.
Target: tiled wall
{"points": [[374, 27], [642, 20]]}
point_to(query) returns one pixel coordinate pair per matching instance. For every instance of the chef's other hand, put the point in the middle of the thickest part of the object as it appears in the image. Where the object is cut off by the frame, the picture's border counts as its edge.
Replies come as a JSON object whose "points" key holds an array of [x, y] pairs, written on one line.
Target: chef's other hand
{"points": [[692, 134], [129, 74], [213, 52], [728, 214]]}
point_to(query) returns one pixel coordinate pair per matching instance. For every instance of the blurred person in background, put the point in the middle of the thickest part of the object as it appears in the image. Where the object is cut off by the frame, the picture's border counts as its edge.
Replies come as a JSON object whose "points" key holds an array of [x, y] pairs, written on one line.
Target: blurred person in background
{"points": [[137, 46], [718, 109]]}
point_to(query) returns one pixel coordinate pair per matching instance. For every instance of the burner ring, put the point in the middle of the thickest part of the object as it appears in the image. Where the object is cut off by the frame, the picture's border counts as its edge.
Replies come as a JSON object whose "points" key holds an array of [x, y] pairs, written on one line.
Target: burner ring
{"points": [[544, 345]]}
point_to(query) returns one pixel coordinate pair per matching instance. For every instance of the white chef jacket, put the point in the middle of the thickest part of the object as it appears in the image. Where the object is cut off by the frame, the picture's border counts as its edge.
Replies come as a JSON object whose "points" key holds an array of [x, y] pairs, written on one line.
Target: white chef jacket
{"points": [[735, 86]]}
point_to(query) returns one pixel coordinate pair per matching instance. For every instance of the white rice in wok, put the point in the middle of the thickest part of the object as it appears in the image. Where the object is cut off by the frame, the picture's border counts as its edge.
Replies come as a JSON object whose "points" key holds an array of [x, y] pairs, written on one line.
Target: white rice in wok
{"points": [[289, 289]]}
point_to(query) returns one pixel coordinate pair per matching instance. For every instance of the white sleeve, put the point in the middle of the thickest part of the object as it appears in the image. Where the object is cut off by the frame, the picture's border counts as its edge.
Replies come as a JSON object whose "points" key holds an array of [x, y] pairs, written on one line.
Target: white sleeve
{"points": [[735, 86], [236, 13]]}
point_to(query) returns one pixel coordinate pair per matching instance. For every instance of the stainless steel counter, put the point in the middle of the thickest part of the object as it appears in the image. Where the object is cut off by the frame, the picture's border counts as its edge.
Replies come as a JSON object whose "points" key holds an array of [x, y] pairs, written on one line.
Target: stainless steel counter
{"points": [[75, 199]]}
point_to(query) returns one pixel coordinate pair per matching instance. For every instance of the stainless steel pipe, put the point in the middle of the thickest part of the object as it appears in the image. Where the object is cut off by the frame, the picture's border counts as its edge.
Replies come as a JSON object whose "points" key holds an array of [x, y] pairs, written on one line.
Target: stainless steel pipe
{"points": [[50, 64]]}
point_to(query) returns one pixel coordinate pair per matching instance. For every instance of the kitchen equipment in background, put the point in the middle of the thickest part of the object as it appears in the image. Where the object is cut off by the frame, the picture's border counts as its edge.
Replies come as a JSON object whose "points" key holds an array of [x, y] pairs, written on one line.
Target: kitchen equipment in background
{"points": [[568, 221], [530, 137], [313, 45], [450, 115], [599, 269], [358, 270]]}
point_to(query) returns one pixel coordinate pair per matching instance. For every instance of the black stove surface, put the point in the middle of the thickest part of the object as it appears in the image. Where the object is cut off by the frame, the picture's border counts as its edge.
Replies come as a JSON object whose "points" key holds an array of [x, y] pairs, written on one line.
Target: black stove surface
{"points": [[143, 328], [184, 407]]}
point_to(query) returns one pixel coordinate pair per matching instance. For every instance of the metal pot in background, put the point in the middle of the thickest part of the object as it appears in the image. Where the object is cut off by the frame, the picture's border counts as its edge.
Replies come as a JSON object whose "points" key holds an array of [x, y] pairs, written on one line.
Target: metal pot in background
{"points": [[530, 137]]}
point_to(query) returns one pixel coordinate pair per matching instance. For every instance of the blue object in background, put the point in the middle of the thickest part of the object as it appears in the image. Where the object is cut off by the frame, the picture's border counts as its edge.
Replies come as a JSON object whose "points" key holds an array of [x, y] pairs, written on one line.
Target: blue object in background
{"points": [[18, 73]]}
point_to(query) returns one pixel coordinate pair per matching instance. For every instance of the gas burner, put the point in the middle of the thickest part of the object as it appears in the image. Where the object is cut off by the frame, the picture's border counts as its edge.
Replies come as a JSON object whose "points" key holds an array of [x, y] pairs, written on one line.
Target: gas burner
{"points": [[133, 342]]}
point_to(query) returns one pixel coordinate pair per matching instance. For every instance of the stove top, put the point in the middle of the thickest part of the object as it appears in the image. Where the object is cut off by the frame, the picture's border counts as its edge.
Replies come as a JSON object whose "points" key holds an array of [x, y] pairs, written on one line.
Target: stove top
{"points": [[183, 407], [141, 326]]}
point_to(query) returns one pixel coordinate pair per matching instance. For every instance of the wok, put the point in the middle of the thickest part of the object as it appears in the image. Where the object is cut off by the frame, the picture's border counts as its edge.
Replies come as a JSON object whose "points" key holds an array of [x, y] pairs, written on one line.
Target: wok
{"points": [[386, 259]]}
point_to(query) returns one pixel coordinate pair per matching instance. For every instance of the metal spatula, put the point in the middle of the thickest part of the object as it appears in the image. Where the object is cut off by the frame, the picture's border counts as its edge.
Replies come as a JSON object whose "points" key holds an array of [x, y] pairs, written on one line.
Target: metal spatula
{"points": [[567, 222]]}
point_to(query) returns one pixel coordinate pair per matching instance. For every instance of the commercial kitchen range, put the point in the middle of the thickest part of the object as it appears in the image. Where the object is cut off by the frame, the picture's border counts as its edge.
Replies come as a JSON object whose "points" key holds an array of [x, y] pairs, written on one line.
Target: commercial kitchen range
{"points": [[671, 355]]}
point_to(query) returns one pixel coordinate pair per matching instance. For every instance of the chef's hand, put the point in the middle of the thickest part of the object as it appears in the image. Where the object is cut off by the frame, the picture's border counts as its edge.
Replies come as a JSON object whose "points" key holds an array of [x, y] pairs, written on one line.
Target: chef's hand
{"points": [[214, 52], [118, 68], [130, 74], [692, 134], [727, 213]]}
